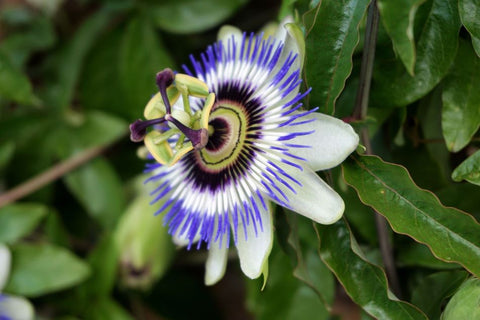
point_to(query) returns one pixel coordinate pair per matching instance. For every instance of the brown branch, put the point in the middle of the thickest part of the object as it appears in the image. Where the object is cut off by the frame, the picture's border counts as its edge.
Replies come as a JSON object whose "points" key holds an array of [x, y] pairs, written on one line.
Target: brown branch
{"points": [[50, 175], [360, 113]]}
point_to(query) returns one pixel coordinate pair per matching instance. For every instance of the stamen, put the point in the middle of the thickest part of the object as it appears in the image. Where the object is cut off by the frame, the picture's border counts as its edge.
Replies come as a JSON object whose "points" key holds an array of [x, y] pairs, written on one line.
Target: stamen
{"points": [[138, 129]]}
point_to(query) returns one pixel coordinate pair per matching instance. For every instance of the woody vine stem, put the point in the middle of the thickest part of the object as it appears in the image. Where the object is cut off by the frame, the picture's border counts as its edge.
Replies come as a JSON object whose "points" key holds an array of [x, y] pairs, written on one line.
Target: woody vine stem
{"points": [[360, 113]]}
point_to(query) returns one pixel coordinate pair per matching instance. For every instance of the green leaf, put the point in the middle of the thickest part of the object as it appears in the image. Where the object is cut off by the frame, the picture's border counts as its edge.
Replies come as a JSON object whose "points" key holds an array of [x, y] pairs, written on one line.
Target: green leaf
{"points": [[99, 189], [469, 11], [39, 269], [308, 267], [451, 235], [141, 56], [461, 99], [330, 43], [6, 153], [398, 19], [413, 254], [191, 16], [476, 45], [284, 297], [103, 262], [70, 61], [19, 220], [364, 282], [432, 291], [469, 170], [38, 34], [464, 304], [91, 129], [436, 49], [102, 71], [14, 84]]}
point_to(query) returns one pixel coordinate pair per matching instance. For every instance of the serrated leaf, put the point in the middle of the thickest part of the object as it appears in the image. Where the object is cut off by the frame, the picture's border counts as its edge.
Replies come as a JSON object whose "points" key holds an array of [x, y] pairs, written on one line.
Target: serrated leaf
{"points": [[461, 99], [39, 269], [432, 290], [14, 84], [99, 189], [141, 56], [436, 49], [451, 235], [19, 220], [191, 16], [469, 170], [330, 43], [398, 19], [364, 282]]}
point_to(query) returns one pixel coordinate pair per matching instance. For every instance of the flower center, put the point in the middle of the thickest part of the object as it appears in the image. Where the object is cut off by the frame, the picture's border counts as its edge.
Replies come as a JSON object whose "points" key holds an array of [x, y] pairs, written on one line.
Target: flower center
{"points": [[229, 126]]}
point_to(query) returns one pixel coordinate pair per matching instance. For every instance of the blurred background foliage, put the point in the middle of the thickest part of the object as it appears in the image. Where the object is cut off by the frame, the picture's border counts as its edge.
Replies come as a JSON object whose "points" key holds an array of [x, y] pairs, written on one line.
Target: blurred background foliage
{"points": [[74, 73]]}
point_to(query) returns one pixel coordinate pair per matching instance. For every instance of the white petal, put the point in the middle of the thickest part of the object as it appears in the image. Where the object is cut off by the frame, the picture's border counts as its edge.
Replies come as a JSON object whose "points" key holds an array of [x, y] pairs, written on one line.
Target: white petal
{"points": [[16, 308], [281, 32], [5, 261], [314, 199], [331, 142], [216, 264], [254, 251]]}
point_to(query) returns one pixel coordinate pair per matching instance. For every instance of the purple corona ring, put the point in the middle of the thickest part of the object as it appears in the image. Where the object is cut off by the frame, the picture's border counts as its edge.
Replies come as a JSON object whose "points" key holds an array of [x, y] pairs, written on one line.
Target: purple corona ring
{"points": [[261, 147]]}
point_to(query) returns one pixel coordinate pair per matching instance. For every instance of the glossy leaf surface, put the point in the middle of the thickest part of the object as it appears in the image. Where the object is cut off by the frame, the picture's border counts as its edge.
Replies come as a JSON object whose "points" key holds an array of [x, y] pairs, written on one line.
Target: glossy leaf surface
{"points": [[364, 282], [469, 170], [436, 49], [418, 213], [461, 99], [398, 18], [330, 43], [39, 269]]}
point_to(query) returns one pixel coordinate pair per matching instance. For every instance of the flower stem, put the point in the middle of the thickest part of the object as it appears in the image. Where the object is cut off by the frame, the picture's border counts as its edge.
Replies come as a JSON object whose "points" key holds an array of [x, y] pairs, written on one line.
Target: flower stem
{"points": [[360, 113]]}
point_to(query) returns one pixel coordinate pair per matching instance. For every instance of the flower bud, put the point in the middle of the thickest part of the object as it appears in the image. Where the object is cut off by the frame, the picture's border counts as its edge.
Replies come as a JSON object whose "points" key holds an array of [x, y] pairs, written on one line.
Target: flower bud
{"points": [[145, 248]]}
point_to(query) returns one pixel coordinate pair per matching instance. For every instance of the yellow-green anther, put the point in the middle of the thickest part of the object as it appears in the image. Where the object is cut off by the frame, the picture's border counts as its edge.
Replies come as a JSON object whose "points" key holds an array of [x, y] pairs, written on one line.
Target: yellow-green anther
{"points": [[186, 102], [187, 147], [162, 152], [181, 116], [206, 110], [195, 87], [156, 108]]}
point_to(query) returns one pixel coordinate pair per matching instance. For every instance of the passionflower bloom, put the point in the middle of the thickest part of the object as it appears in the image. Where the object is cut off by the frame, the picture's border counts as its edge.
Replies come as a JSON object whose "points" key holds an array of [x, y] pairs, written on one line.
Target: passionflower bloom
{"points": [[230, 137], [11, 307]]}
